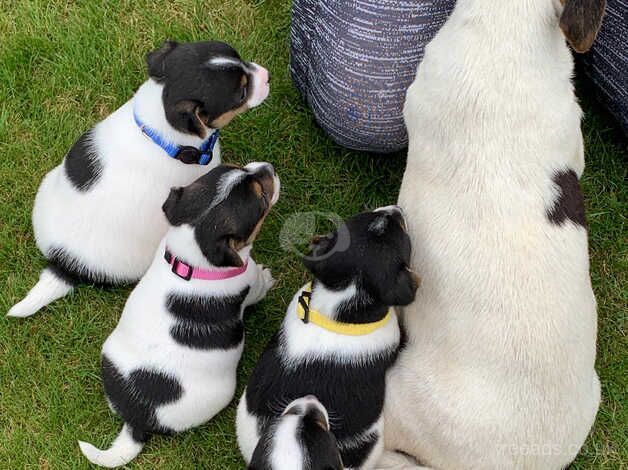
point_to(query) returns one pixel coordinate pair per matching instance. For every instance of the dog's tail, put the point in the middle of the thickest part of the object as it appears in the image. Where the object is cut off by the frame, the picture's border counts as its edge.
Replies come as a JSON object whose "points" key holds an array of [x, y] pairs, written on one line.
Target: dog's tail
{"points": [[124, 449], [50, 287]]}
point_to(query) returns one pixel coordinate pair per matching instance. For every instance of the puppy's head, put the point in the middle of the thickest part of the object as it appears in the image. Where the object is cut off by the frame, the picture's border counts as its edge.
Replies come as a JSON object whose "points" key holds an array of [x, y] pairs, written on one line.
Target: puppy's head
{"points": [[224, 209], [206, 84], [580, 21], [299, 440], [375, 259]]}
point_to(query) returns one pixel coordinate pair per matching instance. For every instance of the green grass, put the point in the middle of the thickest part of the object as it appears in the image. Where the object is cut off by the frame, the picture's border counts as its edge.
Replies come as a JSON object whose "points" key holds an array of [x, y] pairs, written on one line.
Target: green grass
{"points": [[66, 65]]}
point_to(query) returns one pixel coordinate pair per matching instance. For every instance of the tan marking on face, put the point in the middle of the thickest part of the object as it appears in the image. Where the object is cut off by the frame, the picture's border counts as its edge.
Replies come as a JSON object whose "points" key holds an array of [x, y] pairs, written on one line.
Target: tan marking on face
{"points": [[225, 118], [268, 184], [257, 187]]}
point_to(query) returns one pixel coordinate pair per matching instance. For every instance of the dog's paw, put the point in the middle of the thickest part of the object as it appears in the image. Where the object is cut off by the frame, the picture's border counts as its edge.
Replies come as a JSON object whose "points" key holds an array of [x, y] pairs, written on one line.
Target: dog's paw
{"points": [[267, 279]]}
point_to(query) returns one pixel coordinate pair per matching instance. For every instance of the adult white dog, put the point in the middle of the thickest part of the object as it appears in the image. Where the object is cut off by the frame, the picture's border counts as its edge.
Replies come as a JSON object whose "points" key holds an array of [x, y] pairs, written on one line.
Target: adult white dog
{"points": [[499, 371]]}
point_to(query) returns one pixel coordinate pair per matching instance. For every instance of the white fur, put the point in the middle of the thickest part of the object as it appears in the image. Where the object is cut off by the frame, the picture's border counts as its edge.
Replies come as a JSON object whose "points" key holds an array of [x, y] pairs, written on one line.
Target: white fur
{"points": [[499, 369], [246, 430], [286, 452], [142, 340], [307, 342], [115, 226]]}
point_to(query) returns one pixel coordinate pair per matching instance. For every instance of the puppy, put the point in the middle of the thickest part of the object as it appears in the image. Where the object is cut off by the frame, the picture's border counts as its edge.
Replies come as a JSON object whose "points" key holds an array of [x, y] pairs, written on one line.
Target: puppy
{"points": [[97, 216], [170, 364], [339, 337], [299, 440], [499, 369]]}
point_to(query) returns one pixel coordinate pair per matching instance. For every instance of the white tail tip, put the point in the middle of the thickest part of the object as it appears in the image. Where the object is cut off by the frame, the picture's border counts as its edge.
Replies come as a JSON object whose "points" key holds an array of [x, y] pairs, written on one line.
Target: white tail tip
{"points": [[48, 289], [122, 451]]}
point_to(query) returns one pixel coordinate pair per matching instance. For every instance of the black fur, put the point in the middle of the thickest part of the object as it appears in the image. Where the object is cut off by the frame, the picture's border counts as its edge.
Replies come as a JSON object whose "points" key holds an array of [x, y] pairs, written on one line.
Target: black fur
{"points": [[68, 268], [220, 228], [320, 445], [207, 322], [135, 398], [82, 166], [194, 90], [569, 204], [354, 456], [260, 461]]}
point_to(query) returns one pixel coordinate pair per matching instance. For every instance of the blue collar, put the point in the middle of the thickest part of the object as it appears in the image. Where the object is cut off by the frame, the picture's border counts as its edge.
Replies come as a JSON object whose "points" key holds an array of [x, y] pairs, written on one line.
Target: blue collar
{"points": [[184, 153]]}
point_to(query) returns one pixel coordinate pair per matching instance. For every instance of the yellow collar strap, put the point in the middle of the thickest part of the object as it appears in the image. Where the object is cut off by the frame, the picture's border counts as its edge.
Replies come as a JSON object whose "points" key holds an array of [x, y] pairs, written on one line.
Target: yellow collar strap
{"points": [[308, 315]]}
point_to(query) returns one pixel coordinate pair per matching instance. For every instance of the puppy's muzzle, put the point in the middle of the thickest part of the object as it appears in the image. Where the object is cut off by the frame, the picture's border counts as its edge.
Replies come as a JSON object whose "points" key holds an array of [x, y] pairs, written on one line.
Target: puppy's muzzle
{"points": [[261, 85]]}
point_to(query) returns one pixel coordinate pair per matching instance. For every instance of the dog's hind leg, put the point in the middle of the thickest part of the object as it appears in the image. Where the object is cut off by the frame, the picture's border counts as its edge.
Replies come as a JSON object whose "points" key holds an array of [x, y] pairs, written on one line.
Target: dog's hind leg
{"points": [[50, 287], [398, 461]]}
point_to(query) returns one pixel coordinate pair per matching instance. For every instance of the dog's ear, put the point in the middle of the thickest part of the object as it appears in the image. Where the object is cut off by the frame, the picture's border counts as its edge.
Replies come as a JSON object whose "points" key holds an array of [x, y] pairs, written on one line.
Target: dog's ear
{"points": [[316, 257], [222, 253], [156, 60], [216, 237], [580, 21], [190, 115], [402, 290], [169, 207]]}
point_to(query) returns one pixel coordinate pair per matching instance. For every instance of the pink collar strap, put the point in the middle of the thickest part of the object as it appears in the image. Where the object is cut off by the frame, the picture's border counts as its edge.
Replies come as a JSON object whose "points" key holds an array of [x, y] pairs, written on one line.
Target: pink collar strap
{"points": [[187, 272]]}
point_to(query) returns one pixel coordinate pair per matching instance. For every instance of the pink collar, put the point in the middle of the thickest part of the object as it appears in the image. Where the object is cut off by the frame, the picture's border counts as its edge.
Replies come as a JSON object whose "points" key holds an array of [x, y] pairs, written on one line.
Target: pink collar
{"points": [[187, 272]]}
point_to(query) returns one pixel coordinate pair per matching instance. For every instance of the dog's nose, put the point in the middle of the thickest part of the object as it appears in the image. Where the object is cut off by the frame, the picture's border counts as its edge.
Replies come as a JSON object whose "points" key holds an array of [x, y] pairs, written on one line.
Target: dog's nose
{"points": [[262, 72]]}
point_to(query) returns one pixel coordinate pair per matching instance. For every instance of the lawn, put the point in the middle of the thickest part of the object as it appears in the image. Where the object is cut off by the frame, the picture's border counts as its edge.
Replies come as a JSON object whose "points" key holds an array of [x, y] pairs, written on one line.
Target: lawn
{"points": [[64, 65]]}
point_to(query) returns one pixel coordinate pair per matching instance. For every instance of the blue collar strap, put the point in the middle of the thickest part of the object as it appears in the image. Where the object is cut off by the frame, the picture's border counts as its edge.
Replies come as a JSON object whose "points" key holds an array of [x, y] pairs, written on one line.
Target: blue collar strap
{"points": [[184, 153]]}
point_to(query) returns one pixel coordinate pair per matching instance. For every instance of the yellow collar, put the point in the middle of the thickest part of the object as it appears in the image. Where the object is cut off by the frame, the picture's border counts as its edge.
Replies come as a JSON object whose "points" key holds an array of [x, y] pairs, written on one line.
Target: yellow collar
{"points": [[307, 315]]}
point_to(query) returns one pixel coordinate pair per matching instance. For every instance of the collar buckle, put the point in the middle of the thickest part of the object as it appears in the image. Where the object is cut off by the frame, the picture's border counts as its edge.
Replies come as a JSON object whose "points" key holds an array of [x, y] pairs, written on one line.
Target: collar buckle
{"points": [[176, 262], [304, 301]]}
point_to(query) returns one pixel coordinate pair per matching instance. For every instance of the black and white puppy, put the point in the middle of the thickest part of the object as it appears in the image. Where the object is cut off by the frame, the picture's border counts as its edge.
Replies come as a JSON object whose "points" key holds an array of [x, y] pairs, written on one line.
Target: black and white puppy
{"points": [[170, 364], [299, 440], [338, 341], [97, 216]]}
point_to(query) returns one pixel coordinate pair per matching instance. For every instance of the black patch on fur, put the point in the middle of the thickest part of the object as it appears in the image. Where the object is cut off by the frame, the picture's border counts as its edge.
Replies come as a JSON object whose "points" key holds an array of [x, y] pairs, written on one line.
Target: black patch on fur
{"points": [[135, 398], [207, 322], [353, 393], [193, 89], [68, 268], [81, 163], [569, 204], [355, 456]]}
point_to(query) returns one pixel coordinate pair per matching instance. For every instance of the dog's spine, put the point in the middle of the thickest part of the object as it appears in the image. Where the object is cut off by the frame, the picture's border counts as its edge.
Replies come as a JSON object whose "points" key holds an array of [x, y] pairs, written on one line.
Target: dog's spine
{"points": [[124, 449], [49, 288]]}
